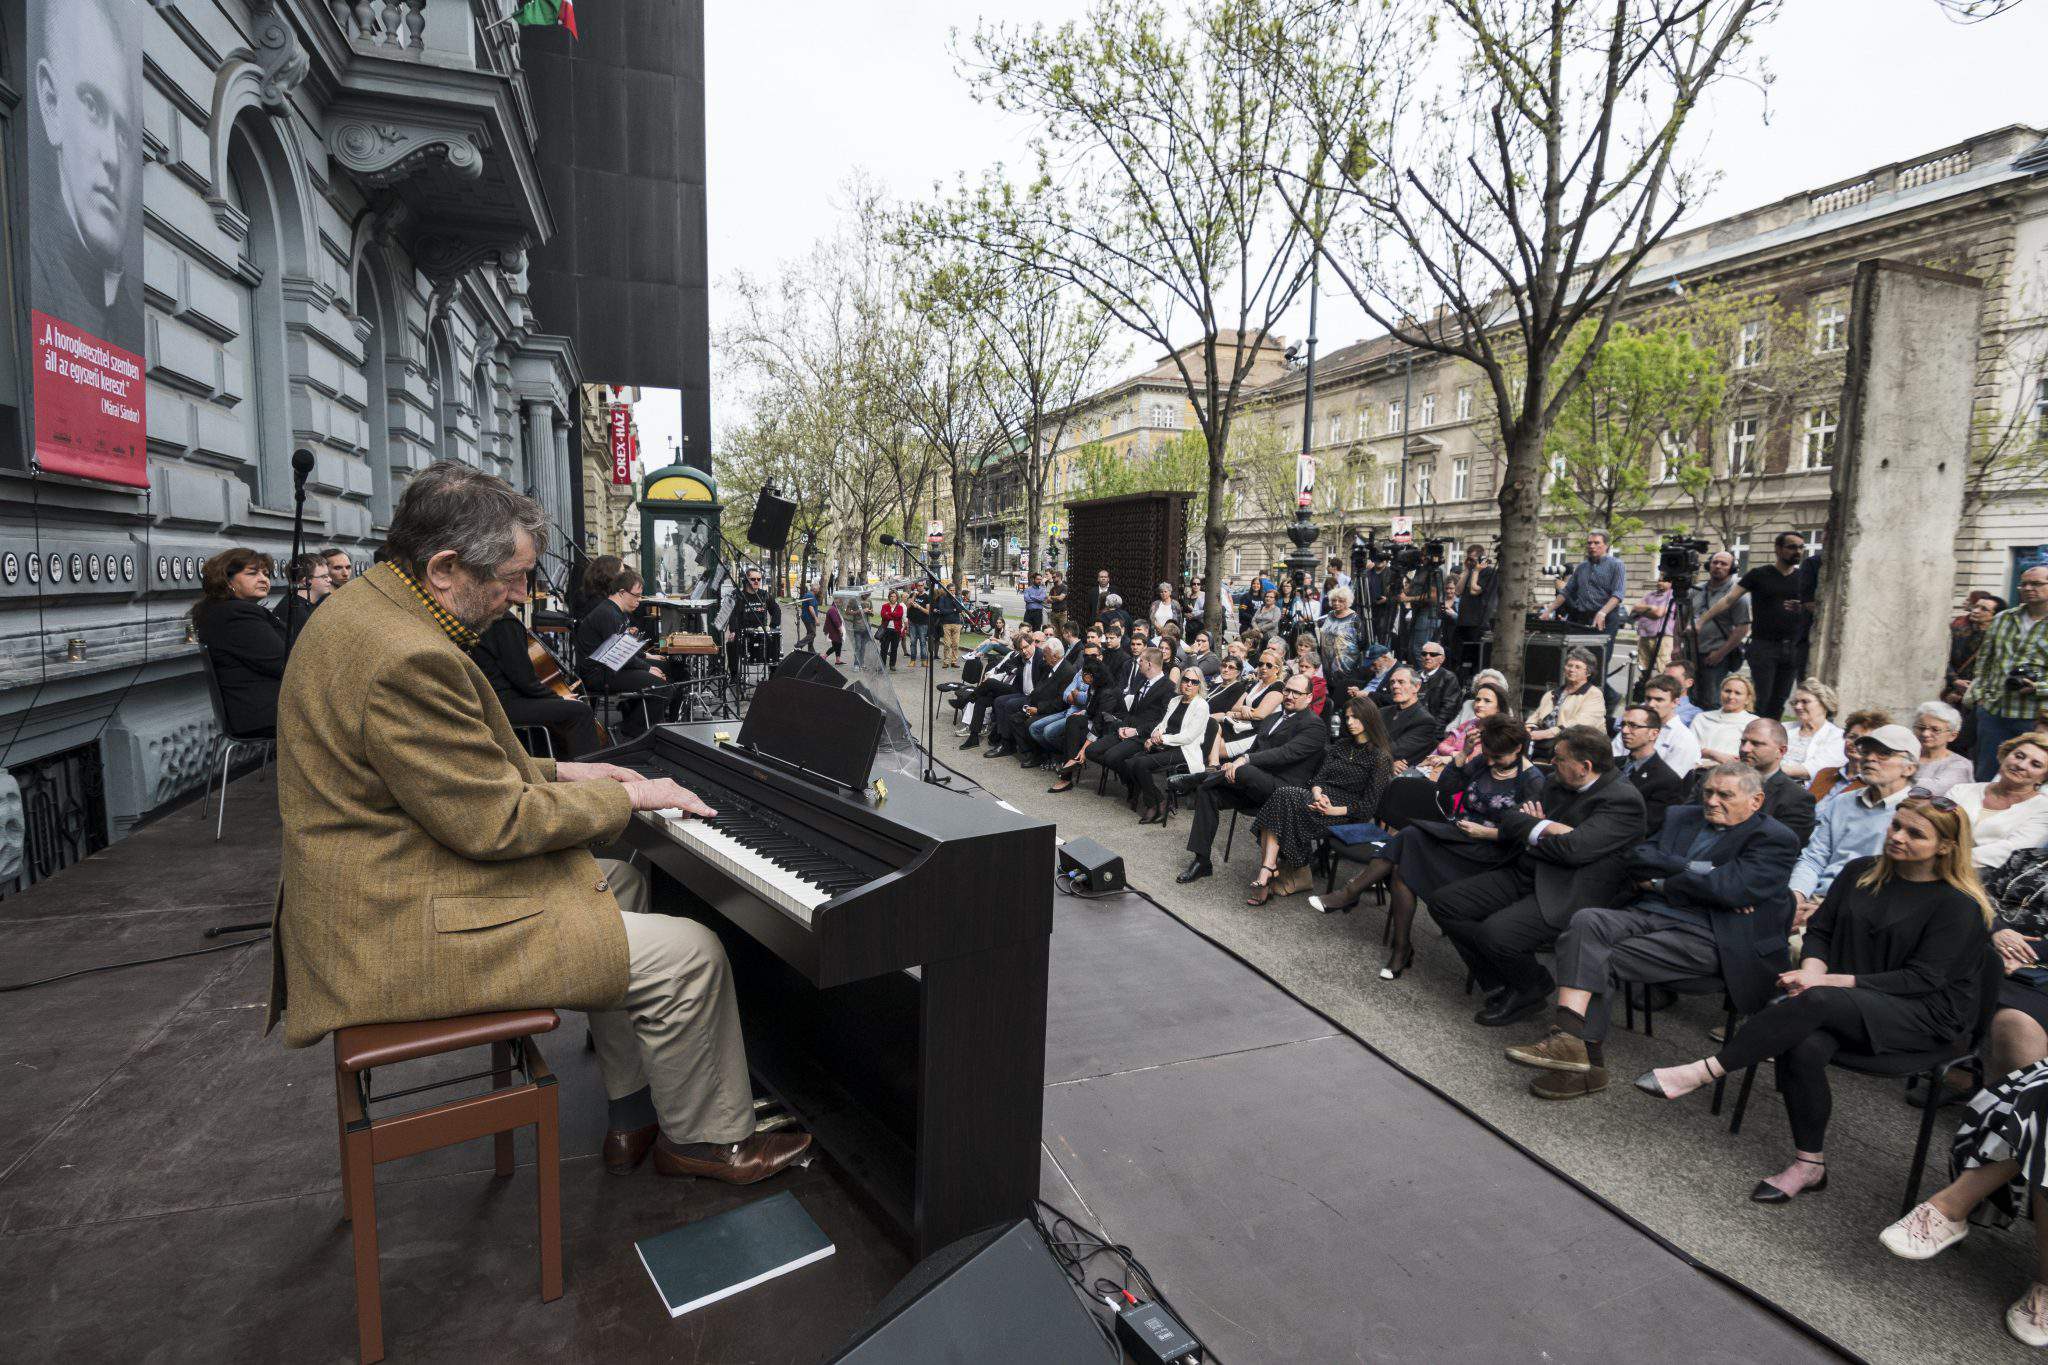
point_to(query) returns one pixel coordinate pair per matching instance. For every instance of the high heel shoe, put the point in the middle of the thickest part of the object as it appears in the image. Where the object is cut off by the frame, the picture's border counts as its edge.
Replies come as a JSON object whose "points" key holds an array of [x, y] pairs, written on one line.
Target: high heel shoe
{"points": [[1262, 889], [1406, 957]]}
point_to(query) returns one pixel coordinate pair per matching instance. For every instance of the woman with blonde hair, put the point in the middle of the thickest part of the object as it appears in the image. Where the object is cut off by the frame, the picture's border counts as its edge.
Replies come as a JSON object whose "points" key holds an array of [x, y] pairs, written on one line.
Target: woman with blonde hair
{"points": [[2009, 812], [1720, 732], [1890, 964]]}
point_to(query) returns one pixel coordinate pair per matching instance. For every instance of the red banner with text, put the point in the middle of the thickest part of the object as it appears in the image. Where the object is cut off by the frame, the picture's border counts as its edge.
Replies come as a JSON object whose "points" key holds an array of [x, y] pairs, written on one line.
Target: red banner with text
{"points": [[89, 405], [622, 444]]}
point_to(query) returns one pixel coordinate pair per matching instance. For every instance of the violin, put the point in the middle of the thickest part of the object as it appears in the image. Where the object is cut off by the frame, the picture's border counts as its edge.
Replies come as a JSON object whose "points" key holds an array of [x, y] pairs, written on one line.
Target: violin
{"points": [[550, 673]]}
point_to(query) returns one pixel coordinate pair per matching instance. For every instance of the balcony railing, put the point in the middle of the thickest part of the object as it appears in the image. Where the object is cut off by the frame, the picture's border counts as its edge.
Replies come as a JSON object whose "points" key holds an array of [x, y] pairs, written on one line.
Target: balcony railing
{"points": [[480, 33]]}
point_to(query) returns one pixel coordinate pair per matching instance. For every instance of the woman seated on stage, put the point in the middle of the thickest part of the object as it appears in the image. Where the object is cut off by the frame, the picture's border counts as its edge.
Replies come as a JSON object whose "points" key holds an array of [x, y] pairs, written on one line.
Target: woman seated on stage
{"points": [[1488, 699], [1490, 778], [1720, 732], [1580, 703], [1238, 727], [1890, 964], [1347, 788], [1174, 746], [1308, 663], [602, 620], [501, 652], [2008, 813], [596, 584], [244, 641]]}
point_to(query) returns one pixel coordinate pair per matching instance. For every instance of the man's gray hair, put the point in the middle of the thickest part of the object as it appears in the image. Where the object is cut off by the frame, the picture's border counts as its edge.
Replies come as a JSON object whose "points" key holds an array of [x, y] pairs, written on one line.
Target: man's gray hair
{"points": [[1746, 778], [1112, 599], [1413, 676], [450, 506]]}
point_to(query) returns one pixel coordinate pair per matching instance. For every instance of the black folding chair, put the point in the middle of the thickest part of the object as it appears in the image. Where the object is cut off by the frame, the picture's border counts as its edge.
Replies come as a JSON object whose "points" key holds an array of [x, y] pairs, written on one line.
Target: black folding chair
{"points": [[265, 744]]}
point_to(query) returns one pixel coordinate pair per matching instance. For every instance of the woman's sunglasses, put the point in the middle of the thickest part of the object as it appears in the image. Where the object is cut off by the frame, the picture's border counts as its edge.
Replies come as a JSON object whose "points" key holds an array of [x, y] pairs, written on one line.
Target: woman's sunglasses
{"points": [[1940, 803]]}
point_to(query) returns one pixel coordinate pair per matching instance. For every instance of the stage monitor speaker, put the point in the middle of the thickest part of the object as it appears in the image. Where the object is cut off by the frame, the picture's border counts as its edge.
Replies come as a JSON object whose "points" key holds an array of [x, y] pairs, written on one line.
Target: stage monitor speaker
{"points": [[996, 1297], [805, 666], [770, 526], [1090, 866]]}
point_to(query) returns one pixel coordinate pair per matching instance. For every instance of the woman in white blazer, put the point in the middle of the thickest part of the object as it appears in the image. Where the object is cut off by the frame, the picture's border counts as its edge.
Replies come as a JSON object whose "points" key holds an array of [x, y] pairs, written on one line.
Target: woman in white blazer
{"points": [[1174, 746]]}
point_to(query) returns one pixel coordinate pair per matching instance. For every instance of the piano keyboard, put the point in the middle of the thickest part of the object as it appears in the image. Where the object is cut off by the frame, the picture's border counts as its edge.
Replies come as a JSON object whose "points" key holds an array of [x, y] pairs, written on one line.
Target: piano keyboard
{"points": [[751, 847]]}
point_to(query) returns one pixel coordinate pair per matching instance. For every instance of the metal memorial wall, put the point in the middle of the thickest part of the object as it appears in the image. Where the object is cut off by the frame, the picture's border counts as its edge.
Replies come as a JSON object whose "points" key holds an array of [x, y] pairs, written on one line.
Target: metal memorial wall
{"points": [[1141, 538]]}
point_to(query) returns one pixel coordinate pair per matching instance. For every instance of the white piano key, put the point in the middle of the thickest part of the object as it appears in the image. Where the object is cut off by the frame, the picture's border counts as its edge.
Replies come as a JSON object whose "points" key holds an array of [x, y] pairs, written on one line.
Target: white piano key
{"points": [[781, 887]]}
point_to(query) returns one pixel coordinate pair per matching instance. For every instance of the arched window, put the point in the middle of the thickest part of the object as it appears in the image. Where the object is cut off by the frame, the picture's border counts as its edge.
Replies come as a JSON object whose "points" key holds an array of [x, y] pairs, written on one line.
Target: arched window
{"points": [[371, 305], [256, 355]]}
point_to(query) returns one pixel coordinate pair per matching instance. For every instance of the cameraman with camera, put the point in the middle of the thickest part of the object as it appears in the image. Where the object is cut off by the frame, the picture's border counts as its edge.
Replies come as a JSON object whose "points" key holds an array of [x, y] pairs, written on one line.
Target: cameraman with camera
{"points": [[2012, 672], [1719, 642]]}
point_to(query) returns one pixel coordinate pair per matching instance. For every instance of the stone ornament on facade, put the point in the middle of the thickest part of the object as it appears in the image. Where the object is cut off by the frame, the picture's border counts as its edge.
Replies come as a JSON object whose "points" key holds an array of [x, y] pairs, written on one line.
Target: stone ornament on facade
{"points": [[381, 153], [278, 53]]}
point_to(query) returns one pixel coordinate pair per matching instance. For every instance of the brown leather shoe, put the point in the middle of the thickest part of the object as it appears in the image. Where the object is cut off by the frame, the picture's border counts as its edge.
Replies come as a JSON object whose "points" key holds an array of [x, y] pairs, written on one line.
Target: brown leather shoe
{"points": [[759, 1157], [1564, 1085], [1558, 1051], [625, 1149]]}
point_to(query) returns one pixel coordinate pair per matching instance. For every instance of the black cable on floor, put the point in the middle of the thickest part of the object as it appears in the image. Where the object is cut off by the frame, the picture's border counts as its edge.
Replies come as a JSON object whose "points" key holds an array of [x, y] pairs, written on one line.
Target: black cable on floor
{"points": [[137, 962]]}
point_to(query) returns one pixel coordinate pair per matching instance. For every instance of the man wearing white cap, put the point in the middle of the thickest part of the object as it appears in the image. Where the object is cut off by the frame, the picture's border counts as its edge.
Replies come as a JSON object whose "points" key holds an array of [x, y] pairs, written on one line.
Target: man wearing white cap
{"points": [[1855, 825]]}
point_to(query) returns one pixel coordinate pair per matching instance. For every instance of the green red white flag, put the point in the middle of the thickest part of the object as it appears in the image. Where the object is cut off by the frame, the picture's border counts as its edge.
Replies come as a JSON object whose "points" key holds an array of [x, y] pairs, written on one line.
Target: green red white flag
{"points": [[547, 14]]}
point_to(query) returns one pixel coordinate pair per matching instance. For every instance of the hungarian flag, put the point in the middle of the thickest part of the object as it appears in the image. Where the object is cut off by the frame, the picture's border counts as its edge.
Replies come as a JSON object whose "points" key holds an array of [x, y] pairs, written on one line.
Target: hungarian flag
{"points": [[548, 13]]}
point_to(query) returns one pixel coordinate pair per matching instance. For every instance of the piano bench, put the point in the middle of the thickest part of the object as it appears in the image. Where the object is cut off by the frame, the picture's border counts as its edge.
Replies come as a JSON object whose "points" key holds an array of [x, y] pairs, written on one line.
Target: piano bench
{"points": [[367, 1142]]}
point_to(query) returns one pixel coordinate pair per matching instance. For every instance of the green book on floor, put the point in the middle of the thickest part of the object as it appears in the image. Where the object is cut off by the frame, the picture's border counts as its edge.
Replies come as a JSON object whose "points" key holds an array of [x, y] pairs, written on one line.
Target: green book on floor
{"points": [[715, 1258]]}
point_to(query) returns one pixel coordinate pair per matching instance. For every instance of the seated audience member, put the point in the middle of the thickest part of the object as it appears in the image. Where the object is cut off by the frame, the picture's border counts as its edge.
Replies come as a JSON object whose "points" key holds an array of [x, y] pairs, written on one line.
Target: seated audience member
{"points": [[1285, 752], [1346, 788], [1580, 703], [1709, 901], [1484, 675], [999, 679], [1661, 786], [1999, 1152], [1041, 657], [501, 652], [1813, 741], [1791, 805], [601, 620], [1890, 964], [245, 642], [1113, 616], [1441, 693], [1379, 665], [1847, 778], [1173, 746], [1488, 699], [1492, 777], [1045, 732], [1411, 730], [1105, 675], [1199, 655], [1231, 682], [1938, 725], [1675, 742], [1681, 672], [1236, 727], [1569, 856], [1720, 732], [1126, 719], [308, 580], [1048, 697], [1308, 663], [2018, 888], [2008, 813], [1852, 825]]}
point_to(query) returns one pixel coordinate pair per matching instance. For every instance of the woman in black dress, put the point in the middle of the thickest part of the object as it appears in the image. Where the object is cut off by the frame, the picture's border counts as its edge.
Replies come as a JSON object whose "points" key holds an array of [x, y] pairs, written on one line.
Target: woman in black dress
{"points": [[245, 643], [1493, 777], [603, 619], [1347, 787], [1890, 963]]}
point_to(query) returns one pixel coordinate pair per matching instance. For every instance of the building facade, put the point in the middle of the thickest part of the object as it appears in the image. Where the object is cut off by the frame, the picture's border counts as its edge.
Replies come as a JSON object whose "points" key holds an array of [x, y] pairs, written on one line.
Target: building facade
{"points": [[337, 204]]}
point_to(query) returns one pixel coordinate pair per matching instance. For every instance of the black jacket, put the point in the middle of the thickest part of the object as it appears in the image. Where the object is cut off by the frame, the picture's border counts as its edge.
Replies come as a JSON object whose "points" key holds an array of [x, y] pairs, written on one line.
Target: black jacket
{"points": [[1442, 695], [604, 619], [1790, 804], [1147, 709], [292, 615], [1661, 788], [1589, 865], [247, 646], [1051, 690], [501, 653], [1411, 732], [1752, 862], [1293, 750]]}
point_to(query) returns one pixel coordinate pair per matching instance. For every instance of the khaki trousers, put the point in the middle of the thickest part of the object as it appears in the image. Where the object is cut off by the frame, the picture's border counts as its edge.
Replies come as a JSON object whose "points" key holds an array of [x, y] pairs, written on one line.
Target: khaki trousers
{"points": [[950, 633], [677, 1030]]}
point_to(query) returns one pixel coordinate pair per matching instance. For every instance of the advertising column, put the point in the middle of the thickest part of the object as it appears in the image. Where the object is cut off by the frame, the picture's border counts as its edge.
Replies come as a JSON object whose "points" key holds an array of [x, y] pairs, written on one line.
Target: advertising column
{"points": [[85, 237]]}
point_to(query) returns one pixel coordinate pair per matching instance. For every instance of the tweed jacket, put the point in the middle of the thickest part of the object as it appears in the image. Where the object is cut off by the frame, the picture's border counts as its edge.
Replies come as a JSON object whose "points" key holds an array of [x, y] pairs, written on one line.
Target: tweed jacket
{"points": [[431, 868]]}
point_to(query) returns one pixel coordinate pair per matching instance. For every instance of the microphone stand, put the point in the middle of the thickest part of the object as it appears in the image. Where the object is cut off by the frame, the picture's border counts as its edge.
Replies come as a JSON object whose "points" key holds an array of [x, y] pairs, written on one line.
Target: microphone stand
{"points": [[292, 600], [931, 675]]}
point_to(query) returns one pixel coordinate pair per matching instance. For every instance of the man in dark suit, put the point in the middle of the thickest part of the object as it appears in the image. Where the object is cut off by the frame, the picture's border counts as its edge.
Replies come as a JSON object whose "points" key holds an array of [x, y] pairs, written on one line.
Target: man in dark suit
{"points": [[1411, 730], [1044, 699], [1711, 900], [1130, 714], [1661, 786], [1285, 752], [1442, 694], [1786, 799], [1043, 660], [1574, 842], [1001, 679]]}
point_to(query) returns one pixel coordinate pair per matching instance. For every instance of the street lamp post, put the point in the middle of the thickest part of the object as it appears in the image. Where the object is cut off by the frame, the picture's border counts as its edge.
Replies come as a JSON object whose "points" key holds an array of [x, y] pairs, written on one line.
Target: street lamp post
{"points": [[1303, 532]]}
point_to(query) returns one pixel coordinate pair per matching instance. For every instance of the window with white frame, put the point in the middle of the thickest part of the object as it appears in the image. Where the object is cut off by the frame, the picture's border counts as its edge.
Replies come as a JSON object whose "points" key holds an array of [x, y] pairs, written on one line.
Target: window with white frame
{"points": [[1749, 349], [1818, 450], [1393, 414], [1464, 402], [1553, 555], [1812, 536], [1742, 452], [1236, 561], [1424, 472], [2041, 407], [1830, 328], [1461, 478], [1556, 469], [1428, 409], [1336, 428], [1358, 490], [1741, 549], [1670, 454], [1390, 485]]}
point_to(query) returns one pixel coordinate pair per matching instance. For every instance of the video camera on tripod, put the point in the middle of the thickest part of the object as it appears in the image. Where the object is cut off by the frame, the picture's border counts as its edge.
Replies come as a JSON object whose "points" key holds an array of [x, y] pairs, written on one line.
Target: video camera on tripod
{"points": [[1678, 559], [1403, 557]]}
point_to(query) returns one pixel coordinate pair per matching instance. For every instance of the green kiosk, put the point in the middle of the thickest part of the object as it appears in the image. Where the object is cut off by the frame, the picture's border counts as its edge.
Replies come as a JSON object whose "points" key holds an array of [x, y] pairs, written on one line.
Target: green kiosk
{"points": [[679, 510]]}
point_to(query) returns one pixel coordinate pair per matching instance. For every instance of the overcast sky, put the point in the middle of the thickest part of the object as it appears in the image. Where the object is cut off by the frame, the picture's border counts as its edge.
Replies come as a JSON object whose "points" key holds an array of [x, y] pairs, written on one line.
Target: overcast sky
{"points": [[801, 92]]}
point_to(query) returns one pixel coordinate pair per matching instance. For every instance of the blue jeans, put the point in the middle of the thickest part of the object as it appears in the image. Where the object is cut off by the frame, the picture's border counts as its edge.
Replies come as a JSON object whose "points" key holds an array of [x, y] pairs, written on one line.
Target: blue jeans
{"points": [[1045, 731], [1993, 731], [919, 642]]}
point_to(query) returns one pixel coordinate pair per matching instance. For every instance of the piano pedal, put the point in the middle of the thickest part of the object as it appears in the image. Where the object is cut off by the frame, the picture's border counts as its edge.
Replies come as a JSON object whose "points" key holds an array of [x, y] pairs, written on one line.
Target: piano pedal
{"points": [[775, 1123]]}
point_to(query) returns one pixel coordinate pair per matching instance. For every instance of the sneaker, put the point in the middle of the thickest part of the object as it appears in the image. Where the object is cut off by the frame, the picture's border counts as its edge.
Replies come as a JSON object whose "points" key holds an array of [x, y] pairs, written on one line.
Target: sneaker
{"points": [[2027, 1319], [1925, 1233], [1558, 1051]]}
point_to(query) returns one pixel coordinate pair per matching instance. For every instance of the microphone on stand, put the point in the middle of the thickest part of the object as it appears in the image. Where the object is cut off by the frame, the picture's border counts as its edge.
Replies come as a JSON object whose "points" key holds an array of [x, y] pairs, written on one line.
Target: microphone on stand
{"points": [[302, 467]]}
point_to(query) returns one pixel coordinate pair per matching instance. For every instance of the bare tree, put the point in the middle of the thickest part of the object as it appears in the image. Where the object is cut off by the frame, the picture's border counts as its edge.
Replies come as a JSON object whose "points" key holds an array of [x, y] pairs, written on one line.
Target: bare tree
{"points": [[1491, 220]]}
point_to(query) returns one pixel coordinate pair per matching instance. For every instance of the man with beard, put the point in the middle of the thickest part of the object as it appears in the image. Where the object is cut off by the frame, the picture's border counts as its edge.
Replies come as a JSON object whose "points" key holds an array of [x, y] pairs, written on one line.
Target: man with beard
{"points": [[432, 869]]}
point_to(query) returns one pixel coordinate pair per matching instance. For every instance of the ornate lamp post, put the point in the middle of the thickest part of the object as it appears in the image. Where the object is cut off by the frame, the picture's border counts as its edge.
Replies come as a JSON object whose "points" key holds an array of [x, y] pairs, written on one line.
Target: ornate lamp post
{"points": [[1301, 560]]}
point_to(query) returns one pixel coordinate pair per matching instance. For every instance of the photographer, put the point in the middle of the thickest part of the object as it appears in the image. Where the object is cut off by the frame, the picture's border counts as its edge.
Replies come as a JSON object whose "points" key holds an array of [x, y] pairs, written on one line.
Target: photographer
{"points": [[1422, 595], [1780, 611], [2012, 672], [1473, 591], [1720, 635]]}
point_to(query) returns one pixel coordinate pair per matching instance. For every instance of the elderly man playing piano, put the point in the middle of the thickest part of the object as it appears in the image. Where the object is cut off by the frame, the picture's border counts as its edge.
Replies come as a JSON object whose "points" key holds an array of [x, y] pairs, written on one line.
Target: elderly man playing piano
{"points": [[432, 869]]}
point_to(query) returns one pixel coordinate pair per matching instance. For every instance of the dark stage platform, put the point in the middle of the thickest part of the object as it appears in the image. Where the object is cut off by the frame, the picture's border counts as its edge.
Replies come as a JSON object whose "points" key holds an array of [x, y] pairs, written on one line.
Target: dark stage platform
{"points": [[169, 1187]]}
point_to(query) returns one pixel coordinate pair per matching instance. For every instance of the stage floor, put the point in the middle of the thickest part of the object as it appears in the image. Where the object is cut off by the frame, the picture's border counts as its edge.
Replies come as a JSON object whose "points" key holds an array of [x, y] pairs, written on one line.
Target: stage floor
{"points": [[169, 1188]]}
